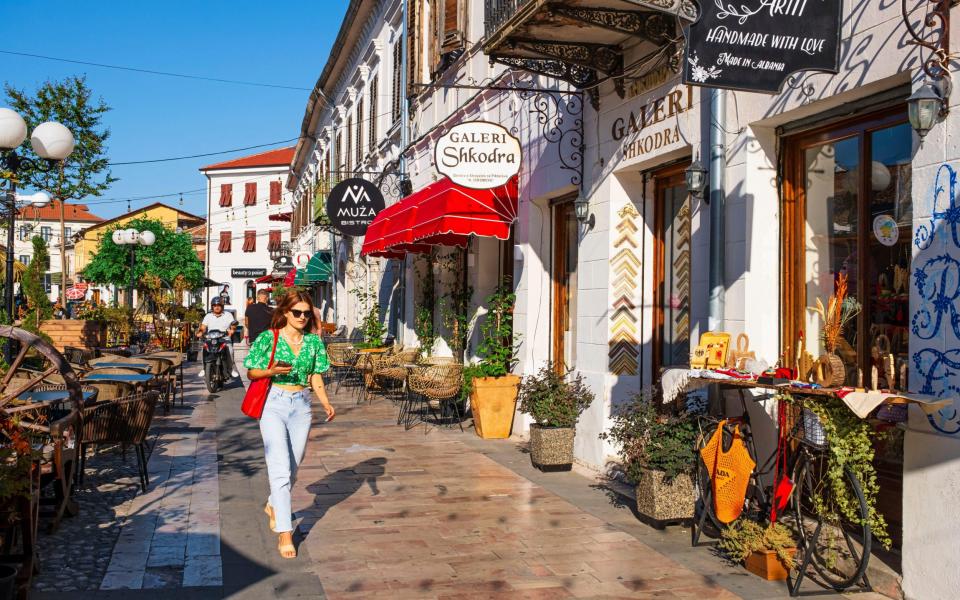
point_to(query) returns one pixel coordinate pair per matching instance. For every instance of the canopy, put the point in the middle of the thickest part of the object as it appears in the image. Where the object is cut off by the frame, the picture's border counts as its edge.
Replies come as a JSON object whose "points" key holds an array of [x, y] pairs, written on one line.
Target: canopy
{"points": [[270, 278], [441, 214], [318, 270]]}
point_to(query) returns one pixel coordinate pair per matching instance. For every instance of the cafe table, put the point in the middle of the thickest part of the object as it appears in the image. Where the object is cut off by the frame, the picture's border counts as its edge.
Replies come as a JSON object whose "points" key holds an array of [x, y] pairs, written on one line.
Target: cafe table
{"points": [[142, 367], [53, 396], [137, 378]]}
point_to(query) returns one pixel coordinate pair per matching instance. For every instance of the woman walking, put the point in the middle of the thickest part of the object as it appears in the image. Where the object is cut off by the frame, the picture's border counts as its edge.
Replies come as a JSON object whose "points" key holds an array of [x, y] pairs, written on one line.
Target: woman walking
{"points": [[299, 359]]}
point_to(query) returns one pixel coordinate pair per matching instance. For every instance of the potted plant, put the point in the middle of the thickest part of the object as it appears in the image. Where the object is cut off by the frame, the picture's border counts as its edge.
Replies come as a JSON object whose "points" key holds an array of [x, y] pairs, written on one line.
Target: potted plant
{"points": [[16, 484], [490, 385], [555, 400], [657, 454], [839, 312], [766, 551]]}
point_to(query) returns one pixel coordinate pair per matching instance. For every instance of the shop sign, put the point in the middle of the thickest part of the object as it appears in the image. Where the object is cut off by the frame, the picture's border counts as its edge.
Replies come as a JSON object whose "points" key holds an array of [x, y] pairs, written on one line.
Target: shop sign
{"points": [[352, 204], [301, 259], [650, 80], [755, 45], [653, 125], [478, 155], [247, 273]]}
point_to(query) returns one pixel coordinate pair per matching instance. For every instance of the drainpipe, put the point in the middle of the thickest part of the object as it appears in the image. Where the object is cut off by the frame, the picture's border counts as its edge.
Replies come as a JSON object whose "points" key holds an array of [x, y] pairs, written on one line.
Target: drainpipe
{"points": [[718, 112]]}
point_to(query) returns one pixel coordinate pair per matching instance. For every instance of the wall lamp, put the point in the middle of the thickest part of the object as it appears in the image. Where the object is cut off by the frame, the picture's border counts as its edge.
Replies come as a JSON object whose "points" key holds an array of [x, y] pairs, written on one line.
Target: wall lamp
{"points": [[696, 178], [928, 105]]}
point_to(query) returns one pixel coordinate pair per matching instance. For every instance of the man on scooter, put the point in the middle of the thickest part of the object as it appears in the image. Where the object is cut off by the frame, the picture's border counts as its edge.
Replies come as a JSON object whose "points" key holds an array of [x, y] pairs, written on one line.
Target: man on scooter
{"points": [[218, 320]]}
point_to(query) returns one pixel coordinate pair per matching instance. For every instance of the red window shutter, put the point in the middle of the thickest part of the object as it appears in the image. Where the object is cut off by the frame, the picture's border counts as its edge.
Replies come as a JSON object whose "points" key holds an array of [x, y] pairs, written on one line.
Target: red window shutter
{"points": [[226, 194], [275, 192], [225, 241], [250, 194], [249, 241], [274, 243]]}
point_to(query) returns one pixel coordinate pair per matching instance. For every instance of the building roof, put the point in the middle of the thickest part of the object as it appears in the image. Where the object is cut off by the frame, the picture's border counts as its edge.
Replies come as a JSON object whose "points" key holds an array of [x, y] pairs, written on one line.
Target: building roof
{"points": [[51, 212], [279, 157], [181, 213]]}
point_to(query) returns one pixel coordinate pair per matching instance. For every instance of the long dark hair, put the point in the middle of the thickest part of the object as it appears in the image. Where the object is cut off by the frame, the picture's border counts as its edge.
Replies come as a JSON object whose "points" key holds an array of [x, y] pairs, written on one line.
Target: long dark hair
{"points": [[292, 298]]}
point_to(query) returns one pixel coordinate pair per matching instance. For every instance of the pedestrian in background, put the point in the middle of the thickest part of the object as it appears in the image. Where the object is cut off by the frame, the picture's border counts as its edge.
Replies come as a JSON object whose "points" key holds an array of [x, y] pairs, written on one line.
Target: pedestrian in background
{"points": [[257, 318], [299, 359]]}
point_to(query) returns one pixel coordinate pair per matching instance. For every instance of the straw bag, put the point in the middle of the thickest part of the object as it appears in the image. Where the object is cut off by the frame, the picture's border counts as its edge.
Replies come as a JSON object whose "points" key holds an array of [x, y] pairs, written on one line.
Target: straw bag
{"points": [[729, 473], [256, 396]]}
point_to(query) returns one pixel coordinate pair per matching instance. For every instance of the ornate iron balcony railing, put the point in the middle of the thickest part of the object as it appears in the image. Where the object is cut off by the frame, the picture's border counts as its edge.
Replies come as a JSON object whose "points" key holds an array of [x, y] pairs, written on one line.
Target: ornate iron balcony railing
{"points": [[498, 12]]}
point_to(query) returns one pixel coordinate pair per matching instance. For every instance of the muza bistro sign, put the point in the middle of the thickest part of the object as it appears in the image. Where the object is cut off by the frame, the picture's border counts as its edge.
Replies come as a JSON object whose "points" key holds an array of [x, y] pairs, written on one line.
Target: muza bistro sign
{"points": [[755, 45], [478, 155], [352, 205]]}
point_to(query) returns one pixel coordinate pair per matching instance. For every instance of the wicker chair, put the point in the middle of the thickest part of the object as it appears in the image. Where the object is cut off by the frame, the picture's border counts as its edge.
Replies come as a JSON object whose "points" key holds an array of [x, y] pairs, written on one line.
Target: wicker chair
{"points": [[111, 390], [390, 372], [343, 362], [79, 358], [126, 422], [434, 386], [177, 360]]}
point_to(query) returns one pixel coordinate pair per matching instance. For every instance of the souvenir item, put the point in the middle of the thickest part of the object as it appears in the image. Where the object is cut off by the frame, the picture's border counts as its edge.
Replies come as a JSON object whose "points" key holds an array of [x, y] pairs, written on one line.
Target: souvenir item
{"points": [[741, 354]]}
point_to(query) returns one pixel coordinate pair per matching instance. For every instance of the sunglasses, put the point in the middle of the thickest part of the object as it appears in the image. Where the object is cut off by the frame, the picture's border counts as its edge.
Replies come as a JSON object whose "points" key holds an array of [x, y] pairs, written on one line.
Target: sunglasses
{"points": [[299, 314]]}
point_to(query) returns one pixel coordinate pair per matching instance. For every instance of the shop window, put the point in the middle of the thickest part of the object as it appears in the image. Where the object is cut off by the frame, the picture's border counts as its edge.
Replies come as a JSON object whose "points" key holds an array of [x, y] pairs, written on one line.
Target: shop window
{"points": [[672, 253], [848, 214], [565, 285]]}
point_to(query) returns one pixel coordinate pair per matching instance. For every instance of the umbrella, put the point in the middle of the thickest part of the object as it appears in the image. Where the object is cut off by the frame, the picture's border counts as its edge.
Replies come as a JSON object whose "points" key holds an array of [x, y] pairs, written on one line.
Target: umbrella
{"points": [[18, 268]]}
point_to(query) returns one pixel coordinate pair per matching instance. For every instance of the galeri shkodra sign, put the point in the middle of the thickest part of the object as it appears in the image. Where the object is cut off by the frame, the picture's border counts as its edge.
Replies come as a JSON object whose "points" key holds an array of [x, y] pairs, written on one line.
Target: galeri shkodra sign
{"points": [[755, 45], [478, 155]]}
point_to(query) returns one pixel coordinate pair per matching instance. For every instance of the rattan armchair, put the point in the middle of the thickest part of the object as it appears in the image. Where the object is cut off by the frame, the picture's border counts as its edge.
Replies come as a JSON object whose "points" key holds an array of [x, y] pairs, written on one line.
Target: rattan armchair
{"points": [[343, 362], [390, 371], [125, 421], [434, 387]]}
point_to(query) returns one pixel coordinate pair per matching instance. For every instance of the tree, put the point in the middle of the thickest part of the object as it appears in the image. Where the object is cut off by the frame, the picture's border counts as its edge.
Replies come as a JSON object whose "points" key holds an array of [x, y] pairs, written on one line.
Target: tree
{"points": [[39, 306], [86, 171], [171, 258]]}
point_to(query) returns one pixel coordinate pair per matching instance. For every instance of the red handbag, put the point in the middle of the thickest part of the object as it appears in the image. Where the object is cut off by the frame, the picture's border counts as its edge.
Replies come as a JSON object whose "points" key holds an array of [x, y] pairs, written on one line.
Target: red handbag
{"points": [[256, 395]]}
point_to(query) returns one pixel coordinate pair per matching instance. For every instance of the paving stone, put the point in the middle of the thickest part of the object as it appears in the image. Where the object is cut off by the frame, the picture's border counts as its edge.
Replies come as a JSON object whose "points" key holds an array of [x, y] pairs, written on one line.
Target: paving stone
{"points": [[203, 571]]}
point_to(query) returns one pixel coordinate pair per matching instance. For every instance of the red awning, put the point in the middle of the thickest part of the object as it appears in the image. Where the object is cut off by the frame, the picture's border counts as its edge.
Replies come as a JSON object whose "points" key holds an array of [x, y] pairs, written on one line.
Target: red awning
{"points": [[441, 214], [270, 278], [284, 216]]}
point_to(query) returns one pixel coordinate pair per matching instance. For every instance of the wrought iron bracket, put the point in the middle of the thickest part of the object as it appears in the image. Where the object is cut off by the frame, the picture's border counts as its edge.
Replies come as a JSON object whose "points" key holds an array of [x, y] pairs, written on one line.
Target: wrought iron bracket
{"points": [[582, 78], [653, 26], [601, 57], [934, 35]]}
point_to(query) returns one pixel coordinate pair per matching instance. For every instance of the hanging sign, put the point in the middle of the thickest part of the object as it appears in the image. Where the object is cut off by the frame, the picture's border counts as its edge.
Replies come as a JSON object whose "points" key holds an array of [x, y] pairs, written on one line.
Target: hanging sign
{"points": [[247, 273], [478, 155], [755, 45], [352, 205]]}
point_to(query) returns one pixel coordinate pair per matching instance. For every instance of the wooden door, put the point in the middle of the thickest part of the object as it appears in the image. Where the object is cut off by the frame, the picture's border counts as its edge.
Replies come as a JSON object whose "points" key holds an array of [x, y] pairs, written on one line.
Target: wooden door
{"points": [[564, 279]]}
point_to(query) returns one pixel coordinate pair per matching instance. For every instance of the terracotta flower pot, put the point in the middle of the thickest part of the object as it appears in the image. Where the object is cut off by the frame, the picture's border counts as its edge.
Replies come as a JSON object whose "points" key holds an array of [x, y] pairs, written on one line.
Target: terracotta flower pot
{"points": [[766, 564], [661, 500], [493, 401], [551, 448]]}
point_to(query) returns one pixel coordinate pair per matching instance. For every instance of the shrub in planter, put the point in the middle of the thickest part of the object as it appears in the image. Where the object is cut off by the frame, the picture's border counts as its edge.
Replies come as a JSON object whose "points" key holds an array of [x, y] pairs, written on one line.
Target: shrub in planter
{"points": [[491, 387], [766, 551], [555, 401], [657, 453]]}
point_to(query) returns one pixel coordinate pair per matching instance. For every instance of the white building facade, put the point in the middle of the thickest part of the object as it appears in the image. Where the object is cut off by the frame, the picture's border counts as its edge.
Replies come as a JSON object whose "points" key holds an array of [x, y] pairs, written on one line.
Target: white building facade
{"points": [[248, 217]]}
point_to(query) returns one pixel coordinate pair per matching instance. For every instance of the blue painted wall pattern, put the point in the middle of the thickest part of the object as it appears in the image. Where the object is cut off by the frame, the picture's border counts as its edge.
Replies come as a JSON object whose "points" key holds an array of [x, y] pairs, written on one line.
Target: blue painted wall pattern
{"points": [[936, 322]]}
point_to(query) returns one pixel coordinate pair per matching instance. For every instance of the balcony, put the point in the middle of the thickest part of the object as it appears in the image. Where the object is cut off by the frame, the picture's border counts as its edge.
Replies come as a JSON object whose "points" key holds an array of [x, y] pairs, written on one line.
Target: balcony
{"points": [[582, 41]]}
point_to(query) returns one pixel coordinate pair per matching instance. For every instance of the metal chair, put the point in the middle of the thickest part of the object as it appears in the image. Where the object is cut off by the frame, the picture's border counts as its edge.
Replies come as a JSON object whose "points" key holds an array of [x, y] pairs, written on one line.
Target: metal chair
{"points": [[434, 386], [390, 372]]}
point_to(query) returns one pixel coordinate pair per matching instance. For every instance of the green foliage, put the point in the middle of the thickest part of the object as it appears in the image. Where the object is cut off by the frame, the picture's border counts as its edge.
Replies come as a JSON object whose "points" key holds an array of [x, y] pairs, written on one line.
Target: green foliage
{"points": [[16, 458], [39, 306], [455, 304], [86, 171], [554, 399], [744, 537], [850, 446], [372, 327], [171, 257], [423, 314], [320, 192], [648, 440], [497, 349]]}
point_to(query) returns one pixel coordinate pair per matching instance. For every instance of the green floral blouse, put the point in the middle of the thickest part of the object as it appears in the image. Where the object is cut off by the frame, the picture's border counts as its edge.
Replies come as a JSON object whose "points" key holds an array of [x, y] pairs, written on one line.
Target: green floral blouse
{"points": [[311, 360]]}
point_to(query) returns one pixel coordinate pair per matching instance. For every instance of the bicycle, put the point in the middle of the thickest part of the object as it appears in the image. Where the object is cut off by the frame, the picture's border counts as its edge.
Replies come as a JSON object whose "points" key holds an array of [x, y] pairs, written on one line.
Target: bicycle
{"points": [[837, 546]]}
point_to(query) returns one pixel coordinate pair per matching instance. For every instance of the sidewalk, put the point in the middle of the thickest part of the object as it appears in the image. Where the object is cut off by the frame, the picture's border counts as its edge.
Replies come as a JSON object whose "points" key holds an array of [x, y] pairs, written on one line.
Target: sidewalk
{"points": [[381, 512]]}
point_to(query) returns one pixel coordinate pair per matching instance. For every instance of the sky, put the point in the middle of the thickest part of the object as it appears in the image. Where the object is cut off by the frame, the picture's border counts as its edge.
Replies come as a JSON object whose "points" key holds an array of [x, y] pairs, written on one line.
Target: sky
{"points": [[279, 43]]}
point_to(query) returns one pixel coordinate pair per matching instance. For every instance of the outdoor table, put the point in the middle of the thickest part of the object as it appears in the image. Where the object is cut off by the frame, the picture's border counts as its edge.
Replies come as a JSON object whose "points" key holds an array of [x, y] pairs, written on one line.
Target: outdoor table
{"points": [[126, 378], [122, 365], [366, 367], [52, 396]]}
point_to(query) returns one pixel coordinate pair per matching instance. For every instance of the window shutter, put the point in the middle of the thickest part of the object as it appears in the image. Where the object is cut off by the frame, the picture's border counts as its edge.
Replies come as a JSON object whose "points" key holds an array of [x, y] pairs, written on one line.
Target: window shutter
{"points": [[274, 243], [276, 192], [360, 116], [453, 26], [250, 194], [372, 127], [348, 155], [414, 48], [225, 241], [397, 75], [250, 241], [226, 194]]}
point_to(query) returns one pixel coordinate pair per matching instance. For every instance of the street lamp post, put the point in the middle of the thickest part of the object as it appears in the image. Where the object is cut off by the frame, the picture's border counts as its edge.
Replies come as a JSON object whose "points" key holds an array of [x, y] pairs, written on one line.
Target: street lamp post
{"points": [[52, 142], [133, 238]]}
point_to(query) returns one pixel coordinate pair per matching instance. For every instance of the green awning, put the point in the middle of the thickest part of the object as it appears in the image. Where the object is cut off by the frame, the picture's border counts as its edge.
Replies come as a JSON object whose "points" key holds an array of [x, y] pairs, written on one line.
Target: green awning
{"points": [[319, 269]]}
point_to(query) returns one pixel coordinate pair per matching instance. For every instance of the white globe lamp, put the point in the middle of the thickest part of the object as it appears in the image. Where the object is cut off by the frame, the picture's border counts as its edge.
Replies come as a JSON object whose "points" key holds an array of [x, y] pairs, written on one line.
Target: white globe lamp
{"points": [[13, 129], [147, 238], [39, 199], [130, 236], [52, 141], [117, 237]]}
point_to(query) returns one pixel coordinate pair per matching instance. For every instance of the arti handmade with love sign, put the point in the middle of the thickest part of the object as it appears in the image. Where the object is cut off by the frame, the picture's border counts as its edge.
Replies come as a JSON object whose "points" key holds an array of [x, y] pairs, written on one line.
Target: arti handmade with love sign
{"points": [[755, 45]]}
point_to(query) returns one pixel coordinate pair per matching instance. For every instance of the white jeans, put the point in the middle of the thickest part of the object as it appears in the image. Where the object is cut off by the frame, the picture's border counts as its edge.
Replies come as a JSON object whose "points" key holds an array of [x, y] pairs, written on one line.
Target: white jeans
{"points": [[285, 426]]}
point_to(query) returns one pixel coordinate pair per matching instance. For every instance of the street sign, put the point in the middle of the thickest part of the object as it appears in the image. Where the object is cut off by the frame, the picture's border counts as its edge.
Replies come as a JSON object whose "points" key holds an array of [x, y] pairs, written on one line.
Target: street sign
{"points": [[478, 155], [756, 45], [247, 273], [352, 205]]}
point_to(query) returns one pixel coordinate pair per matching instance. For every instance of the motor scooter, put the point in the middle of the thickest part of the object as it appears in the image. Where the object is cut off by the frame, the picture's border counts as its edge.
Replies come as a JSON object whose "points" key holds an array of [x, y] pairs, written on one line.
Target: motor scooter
{"points": [[217, 360]]}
